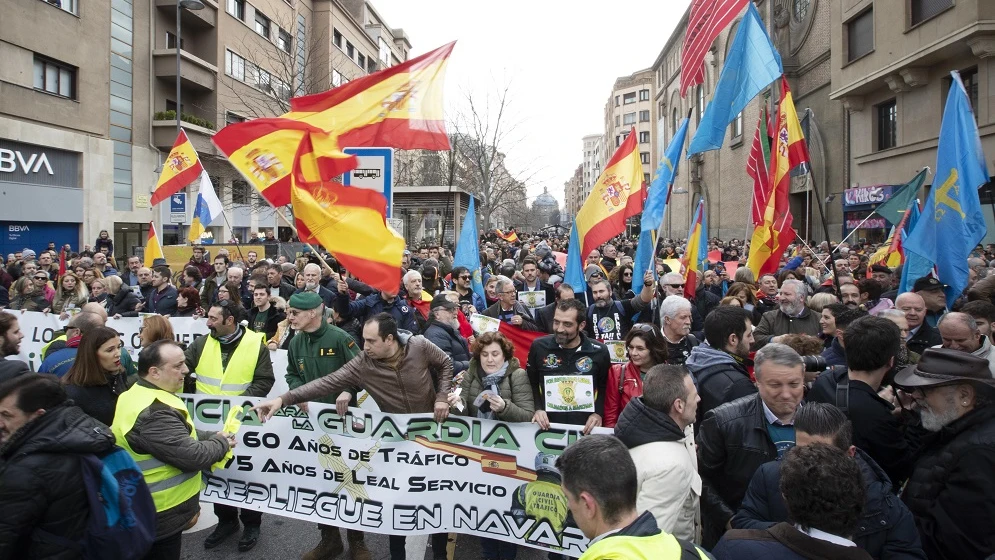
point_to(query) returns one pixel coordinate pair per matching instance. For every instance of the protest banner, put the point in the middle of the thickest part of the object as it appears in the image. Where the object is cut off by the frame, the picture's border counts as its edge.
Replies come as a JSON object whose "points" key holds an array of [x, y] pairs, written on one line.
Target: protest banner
{"points": [[401, 474]]}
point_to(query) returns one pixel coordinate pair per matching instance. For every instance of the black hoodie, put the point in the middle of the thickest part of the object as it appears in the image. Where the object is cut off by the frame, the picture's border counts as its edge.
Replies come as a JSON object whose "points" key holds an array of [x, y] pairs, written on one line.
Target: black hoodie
{"points": [[640, 424]]}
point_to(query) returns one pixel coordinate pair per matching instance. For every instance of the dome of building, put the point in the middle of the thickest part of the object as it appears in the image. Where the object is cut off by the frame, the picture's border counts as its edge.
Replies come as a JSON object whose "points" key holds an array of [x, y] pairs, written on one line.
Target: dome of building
{"points": [[546, 200]]}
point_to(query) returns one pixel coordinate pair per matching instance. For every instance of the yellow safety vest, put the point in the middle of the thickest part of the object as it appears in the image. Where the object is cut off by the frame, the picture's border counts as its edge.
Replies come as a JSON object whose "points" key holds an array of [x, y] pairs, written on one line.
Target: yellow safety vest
{"points": [[662, 546], [236, 378], [169, 485], [44, 349]]}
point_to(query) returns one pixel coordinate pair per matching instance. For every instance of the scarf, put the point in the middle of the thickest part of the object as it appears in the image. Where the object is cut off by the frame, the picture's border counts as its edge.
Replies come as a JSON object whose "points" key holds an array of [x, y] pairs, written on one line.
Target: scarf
{"points": [[233, 337], [492, 380]]}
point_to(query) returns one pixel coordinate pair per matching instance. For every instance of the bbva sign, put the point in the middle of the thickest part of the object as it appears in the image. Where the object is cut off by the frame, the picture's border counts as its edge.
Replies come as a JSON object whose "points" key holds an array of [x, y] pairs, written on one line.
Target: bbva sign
{"points": [[12, 160]]}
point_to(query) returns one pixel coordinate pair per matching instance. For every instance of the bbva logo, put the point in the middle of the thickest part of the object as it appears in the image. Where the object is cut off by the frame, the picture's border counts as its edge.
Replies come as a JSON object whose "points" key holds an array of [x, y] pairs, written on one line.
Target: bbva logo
{"points": [[11, 160]]}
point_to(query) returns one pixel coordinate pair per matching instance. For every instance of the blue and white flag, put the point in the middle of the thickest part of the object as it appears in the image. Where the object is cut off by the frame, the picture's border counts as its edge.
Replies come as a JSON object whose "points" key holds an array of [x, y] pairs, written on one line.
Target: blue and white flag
{"points": [[207, 210]]}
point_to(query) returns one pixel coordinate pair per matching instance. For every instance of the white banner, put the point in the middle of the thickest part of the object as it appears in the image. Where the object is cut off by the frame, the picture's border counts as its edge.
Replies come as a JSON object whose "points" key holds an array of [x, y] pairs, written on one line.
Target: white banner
{"points": [[397, 473]]}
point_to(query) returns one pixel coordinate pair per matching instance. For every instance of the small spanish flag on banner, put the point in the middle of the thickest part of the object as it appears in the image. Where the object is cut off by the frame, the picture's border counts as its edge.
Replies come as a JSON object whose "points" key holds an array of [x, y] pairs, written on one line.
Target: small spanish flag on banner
{"points": [[400, 107], [181, 168], [617, 195], [153, 249]]}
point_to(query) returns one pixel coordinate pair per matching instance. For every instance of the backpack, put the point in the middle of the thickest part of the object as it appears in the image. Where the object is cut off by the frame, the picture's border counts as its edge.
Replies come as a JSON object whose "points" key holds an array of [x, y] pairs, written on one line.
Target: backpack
{"points": [[122, 518]]}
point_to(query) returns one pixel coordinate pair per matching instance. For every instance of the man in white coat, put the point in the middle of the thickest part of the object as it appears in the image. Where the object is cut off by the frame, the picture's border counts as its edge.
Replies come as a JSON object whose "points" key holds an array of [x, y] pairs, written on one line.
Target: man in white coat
{"points": [[656, 428]]}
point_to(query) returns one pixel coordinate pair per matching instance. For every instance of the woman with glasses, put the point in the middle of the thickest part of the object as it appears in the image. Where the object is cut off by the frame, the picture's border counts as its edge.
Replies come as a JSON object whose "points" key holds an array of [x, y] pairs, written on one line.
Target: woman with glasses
{"points": [[89, 275], [646, 348], [96, 377], [28, 294], [621, 281], [71, 294]]}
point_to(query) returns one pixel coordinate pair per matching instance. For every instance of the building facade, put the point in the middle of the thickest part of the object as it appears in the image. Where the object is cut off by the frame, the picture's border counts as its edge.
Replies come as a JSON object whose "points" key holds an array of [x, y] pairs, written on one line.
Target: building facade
{"points": [[574, 193], [104, 118], [630, 107], [593, 162], [891, 67]]}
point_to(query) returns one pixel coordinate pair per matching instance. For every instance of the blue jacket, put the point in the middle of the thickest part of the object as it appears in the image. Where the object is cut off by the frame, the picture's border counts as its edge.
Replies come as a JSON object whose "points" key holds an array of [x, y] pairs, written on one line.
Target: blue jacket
{"points": [[835, 355], [886, 529], [364, 308]]}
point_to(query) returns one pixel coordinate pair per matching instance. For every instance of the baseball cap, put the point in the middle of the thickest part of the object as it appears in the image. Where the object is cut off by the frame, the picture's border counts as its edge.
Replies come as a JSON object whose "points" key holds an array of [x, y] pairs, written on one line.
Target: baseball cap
{"points": [[441, 301]]}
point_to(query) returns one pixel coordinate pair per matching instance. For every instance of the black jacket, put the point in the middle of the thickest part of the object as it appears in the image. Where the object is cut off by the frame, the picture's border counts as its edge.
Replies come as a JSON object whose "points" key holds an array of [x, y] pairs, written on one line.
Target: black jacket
{"points": [[834, 354], [450, 342], [925, 337], [273, 320], [122, 303], [886, 529], [163, 303], [704, 301], [732, 444], [639, 424], [10, 369], [543, 287], [41, 484], [544, 318], [781, 542], [285, 290], [891, 443], [720, 378], [951, 489], [547, 359]]}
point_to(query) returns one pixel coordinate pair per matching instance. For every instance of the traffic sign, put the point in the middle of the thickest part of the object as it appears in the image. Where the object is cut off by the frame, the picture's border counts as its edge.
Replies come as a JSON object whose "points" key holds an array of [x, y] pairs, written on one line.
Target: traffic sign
{"points": [[375, 172], [178, 208]]}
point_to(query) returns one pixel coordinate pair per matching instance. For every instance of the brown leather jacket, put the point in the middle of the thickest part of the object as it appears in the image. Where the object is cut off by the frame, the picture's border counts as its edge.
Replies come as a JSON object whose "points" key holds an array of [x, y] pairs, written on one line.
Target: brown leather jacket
{"points": [[422, 378]]}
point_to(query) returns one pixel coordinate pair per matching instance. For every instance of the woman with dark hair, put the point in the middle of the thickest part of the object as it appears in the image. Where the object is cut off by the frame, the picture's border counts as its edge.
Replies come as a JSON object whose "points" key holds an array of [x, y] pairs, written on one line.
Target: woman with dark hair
{"points": [[188, 303], [792, 274], [96, 377], [745, 294], [621, 282], [104, 240], [229, 291], [646, 347], [28, 295], [191, 277], [495, 374]]}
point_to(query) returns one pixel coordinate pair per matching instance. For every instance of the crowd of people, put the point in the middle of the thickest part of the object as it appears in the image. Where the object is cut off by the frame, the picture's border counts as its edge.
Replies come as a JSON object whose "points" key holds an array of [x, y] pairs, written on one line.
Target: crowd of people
{"points": [[814, 412]]}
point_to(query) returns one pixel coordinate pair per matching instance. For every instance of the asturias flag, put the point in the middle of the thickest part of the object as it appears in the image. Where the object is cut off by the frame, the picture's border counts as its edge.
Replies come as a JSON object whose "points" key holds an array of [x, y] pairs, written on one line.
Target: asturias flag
{"points": [[153, 249], [789, 151], [207, 210], [952, 222], [696, 251], [468, 250], [182, 167], [616, 196], [400, 107]]}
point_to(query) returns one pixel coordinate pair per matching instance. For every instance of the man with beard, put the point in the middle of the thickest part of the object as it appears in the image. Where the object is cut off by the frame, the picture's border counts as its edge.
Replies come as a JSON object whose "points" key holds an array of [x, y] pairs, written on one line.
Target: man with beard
{"points": [[162, 300], [719, 367], [609, 319], [530, 270], [791, 317], [568, 372], [933, 296], [984, 315], [10, 345], [872, 343], [544, 315], [921, 335], [850, 295], [312, 283], [951, 486], [131, 278], [959, 331], [463, 285], [231, 361], [675, 316], [443, 331]]}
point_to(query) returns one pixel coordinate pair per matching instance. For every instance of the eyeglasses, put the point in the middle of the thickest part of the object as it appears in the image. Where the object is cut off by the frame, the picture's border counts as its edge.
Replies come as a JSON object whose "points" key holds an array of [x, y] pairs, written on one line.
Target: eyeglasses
{"points": [[626, 274], [676, 286], [467, 277], [511, 292]]}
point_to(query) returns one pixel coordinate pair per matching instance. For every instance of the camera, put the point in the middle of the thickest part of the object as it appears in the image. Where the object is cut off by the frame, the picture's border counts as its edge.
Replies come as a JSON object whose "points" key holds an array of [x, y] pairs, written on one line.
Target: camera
{"points": [[814, 363]]}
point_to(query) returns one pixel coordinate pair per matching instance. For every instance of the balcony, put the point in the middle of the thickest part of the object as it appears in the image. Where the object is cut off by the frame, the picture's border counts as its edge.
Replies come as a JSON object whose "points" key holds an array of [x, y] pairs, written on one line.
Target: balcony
{"points": [[164, 134], [198, 19], [196, 73]]}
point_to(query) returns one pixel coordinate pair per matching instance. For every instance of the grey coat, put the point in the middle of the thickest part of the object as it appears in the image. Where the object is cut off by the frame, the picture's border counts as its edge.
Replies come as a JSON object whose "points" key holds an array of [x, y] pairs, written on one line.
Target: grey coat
{"points": [[514, 389]]}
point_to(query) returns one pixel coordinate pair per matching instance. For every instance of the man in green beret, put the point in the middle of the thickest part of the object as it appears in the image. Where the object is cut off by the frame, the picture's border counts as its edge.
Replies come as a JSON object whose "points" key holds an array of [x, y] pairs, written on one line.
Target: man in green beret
{"points": [[315, 351]]}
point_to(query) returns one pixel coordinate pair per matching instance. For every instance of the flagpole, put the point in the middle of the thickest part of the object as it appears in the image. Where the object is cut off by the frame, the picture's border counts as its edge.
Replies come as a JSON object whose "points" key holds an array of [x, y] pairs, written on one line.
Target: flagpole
{"points": [[238, 246]]}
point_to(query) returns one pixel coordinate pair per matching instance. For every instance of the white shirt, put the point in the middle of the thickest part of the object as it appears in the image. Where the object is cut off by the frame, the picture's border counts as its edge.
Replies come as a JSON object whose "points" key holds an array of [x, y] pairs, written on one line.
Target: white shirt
{"points": [[824, 536]]}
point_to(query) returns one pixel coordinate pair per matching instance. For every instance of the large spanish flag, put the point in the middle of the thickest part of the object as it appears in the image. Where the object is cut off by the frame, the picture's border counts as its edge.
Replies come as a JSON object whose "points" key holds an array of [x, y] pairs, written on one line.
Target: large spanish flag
{"points": [[771, 238], [181, 168], [617, 195], [399, 107], [696, 251], [347, 221]]}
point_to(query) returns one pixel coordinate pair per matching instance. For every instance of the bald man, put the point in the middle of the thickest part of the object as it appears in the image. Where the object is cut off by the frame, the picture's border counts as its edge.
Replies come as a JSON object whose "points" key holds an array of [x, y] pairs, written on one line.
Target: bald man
{"points": [[921, 335], [959, 331]]}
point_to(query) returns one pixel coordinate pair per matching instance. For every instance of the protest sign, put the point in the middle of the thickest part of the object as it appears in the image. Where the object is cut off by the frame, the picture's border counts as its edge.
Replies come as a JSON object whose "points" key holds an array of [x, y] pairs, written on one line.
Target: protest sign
{"points": [[401, 474]]}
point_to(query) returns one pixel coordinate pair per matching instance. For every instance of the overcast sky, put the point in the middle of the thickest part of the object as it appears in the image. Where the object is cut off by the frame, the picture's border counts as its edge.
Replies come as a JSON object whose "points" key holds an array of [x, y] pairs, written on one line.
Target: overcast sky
{"points": [[561, 58]]}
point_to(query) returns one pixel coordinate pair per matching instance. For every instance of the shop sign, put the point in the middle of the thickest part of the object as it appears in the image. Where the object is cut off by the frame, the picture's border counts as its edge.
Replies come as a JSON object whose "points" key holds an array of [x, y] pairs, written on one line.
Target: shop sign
{"points": [[38, 165], [860, 196]]}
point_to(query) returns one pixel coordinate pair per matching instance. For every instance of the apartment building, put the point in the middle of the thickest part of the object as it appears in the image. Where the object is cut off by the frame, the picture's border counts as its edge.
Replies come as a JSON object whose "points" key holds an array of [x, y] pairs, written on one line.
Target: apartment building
{"points": [[891, 64], [630, 106], [573, 192], [594, 160], [100, 120]]}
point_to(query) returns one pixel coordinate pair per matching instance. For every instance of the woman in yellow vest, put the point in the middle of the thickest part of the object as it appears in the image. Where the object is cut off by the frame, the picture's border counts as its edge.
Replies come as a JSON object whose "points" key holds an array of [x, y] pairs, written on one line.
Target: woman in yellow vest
{"points": [[153, 425]]}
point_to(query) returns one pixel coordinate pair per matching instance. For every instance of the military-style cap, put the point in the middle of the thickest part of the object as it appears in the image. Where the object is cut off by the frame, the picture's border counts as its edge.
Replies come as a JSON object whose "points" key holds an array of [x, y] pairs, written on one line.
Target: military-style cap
{"points": [[305, 301]]}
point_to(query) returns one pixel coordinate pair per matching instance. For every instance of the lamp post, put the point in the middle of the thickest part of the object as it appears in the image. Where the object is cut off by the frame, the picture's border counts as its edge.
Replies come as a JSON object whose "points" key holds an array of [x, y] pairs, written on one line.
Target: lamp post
{"points": [[190, 5]]}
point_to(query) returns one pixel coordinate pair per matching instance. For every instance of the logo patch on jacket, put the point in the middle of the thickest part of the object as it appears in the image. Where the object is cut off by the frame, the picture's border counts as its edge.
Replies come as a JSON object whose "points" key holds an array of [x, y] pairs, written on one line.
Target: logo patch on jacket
{"points": [[585, 364], [300, 364], [552, 361], [326, 352]]}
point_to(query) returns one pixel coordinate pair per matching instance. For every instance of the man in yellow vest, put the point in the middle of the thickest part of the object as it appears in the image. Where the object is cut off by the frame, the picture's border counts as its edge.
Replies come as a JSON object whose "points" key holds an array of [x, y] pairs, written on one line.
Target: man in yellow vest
{"points": [[604, 507], [231, 360], [153, 425]]}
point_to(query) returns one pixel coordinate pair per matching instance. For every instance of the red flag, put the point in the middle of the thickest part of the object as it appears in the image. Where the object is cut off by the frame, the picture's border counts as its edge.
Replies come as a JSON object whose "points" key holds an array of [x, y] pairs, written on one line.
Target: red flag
{"points": [[62, 262], [706, 20], [756, 167], [521, 338]]}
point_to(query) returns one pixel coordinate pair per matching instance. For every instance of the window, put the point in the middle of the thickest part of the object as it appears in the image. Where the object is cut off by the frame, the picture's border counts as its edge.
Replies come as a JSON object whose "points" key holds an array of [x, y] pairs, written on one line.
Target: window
{"points": [[70, 6], [384, 52], [236, 8], [55, 78], [644, 116], [887, 125], [644, 95], [280, 89], [699, 106], [921, 10], [618, 140], [617, 120], [860, 36], [283, 41], [644, 157], [737, 126], [350, 50], [231, 118], [240, 192], [361, 61], [799, 9], [646, 178], [262, 24], [616, 101], [336, 78], [171, 41], [234, 65], [629, 118], [337, 38], [644, 137], [628, 98], [970, 79], [673, 122]]}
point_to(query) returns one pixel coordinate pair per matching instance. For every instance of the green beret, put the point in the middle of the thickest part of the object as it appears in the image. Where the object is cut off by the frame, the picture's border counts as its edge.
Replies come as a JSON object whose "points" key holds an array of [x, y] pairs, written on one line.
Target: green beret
{"points": [[305, 300]]}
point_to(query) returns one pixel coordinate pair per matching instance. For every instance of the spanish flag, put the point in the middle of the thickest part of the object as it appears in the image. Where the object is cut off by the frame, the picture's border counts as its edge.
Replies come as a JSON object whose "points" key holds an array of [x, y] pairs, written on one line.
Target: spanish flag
{"points": [[890, 254], [347, 221], [617, 195], [181, 168], [153, 249], [400, 107], [789, 151], [696, 251], [509, 237]]}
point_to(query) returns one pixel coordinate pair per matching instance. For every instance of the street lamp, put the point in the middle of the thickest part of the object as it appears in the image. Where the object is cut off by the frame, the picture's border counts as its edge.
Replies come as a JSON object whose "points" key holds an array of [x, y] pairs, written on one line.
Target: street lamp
{"points": [[190, 5]]}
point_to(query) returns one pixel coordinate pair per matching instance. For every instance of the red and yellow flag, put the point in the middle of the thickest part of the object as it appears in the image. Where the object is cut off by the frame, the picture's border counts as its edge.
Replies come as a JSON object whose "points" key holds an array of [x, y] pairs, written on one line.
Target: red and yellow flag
{"points": [[181, 168], [696, 251], [153, 249], [400, 107], [509, 237], [618, 195], [347, 221], [891, 254], [789, 151]]}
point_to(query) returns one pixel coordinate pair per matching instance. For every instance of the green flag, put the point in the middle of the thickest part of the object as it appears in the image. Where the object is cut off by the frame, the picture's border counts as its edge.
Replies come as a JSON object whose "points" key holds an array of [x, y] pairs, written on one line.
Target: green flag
{"points": [[894, 208]]}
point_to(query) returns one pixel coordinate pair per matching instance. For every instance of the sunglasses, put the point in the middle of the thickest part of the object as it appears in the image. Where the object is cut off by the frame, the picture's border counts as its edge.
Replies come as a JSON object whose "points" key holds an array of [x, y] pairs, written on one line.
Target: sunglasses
{"points": [[464, 278], [41, 278], [676, 286]]}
